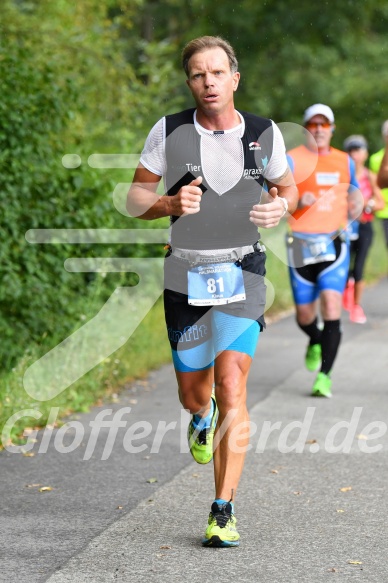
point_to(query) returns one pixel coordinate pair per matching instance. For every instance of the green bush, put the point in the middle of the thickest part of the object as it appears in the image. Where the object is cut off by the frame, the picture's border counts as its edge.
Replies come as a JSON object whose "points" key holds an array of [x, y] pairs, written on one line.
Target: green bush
{"points": [[38, 297], [34, 193]]}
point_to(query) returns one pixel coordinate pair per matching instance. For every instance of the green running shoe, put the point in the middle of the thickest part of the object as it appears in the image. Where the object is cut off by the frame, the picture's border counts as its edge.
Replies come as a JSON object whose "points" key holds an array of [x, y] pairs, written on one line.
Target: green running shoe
{"points": [[313, 357], [322, 385], [221, 530], [201, 438]]}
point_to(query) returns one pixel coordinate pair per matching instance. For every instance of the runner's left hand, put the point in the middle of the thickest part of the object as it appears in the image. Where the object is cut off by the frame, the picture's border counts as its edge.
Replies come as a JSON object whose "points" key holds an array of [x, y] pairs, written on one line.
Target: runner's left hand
{"points": [[268, 214]]}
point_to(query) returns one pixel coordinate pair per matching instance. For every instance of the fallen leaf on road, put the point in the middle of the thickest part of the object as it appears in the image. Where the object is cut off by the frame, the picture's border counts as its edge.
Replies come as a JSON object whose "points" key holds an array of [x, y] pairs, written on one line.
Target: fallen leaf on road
{"points": [[28, 431], [333, 570], [297, 493], [165, 547], [274, 472], [45, 489], [32, 485], [340, 510], [119, 507], [195, 475], [346, 489], [152, 480], [355, 562], [28, 454], [311, 441]]}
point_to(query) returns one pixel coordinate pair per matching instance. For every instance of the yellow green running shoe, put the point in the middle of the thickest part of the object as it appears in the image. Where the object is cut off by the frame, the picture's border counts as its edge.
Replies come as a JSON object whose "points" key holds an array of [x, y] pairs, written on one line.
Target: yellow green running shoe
{"points": [[313, 357], [221, 530], [322, 385], [201, 438]]}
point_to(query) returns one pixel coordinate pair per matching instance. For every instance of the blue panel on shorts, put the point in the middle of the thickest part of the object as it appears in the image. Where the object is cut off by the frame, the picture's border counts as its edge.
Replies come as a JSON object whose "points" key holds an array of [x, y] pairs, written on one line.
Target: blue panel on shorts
{"points": [[199, 357], [304, 292], [228, 333], [234, 333]]}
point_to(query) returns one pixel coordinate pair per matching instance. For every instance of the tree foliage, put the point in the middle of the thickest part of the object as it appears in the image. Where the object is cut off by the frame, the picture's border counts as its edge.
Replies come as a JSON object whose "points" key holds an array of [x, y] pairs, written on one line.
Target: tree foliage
{"points": [[57, 89], [295, 53]]}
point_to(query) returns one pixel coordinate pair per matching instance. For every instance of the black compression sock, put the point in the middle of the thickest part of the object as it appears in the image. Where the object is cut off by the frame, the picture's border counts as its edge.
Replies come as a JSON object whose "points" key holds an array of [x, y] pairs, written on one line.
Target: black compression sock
{"points": [[312, 330], [330, 341]]}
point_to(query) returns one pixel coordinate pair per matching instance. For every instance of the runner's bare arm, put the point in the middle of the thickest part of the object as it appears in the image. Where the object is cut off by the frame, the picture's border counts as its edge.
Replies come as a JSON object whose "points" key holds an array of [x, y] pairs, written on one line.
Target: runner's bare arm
{"points": [[143, 201], [377, 199], [382, 176]]}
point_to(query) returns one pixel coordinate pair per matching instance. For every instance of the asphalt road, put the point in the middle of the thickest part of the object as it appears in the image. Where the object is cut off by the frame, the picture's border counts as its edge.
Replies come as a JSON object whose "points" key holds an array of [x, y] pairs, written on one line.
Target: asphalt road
{"points": [[312, 501]]}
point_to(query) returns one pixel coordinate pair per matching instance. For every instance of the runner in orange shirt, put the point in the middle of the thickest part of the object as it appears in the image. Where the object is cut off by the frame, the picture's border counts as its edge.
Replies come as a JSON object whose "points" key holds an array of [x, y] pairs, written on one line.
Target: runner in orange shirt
{"points": [[318, 248]]}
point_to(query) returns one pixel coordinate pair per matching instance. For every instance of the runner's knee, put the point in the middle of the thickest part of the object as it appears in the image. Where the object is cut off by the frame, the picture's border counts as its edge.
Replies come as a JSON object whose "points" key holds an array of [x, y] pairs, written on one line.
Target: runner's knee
{"points": [[194, 402], [230, 393]]}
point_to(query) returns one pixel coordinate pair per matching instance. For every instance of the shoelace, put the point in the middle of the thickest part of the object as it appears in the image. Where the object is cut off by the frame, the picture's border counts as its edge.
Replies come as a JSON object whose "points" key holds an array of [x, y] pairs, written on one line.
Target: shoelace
{"points": [[202, 436], [222, 516]]}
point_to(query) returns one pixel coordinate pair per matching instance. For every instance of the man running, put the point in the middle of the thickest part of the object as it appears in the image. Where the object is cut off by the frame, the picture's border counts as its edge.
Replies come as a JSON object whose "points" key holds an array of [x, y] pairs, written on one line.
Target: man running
{"points": [[317, 245], [214, 161]]}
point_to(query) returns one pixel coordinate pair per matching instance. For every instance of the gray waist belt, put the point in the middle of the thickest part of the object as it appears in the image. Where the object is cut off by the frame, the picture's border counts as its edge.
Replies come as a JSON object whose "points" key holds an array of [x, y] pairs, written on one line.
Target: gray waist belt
{"points": [[233, 255]]}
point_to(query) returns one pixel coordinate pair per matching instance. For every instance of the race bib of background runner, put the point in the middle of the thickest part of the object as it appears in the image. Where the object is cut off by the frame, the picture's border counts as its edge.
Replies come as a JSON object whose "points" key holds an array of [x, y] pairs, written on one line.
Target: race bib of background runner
{"points": [[318, 249], [215, 284]]}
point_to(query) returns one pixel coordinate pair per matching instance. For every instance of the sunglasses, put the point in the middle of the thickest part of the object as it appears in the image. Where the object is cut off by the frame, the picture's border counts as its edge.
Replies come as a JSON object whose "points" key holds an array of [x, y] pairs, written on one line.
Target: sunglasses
{"points": [[313, 125]]}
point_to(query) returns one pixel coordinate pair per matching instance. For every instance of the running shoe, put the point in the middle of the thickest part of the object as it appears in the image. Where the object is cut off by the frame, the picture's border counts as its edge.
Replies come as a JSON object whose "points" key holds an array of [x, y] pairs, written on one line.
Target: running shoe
{"points": [[322, 386], [348, 296], [221, 530], [201, 438], [357, 315], [313, 357]]}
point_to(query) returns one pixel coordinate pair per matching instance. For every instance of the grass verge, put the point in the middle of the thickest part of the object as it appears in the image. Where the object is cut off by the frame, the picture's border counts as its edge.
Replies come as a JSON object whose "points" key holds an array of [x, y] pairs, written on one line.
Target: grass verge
{"points": [[146, 349]]}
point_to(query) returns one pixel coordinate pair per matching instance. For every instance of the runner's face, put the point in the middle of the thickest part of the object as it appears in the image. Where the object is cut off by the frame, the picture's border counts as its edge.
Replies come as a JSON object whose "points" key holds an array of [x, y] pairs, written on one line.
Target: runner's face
{"points": [[359, 155], [321, 130], [211, 81]]}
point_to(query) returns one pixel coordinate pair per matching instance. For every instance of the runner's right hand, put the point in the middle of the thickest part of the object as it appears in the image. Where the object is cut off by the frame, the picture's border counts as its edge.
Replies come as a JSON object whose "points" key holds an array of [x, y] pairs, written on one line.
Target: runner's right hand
{"points": [[188, 200]]}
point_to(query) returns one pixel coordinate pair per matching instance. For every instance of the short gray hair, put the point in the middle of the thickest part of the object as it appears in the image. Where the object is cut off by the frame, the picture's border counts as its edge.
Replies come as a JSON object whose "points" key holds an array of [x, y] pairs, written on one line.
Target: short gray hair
{"points": [[208, 42]]}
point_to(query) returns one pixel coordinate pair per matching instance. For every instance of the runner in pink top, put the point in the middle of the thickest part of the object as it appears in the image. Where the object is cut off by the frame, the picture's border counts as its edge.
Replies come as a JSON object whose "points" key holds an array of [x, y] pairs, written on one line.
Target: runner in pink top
{"points": [[357, 148]]}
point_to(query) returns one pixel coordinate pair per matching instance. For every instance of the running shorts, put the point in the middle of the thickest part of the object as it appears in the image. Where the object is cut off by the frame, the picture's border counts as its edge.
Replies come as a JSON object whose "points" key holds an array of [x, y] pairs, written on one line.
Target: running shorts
{"points": [[197, 334], [308, 281]]}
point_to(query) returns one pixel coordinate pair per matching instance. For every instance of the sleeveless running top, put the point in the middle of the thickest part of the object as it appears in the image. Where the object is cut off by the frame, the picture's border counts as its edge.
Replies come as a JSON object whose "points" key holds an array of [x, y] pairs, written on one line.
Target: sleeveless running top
{"points": [[223, 221], [329, 183]]}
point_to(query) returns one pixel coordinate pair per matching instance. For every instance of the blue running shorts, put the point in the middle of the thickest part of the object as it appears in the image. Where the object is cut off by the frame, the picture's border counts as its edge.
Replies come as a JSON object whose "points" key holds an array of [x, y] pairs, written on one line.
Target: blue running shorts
{"points": [[308, 281]]}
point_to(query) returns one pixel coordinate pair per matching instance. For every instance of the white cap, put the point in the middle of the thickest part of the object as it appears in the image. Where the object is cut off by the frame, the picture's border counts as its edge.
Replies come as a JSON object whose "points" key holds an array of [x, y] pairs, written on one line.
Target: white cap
{"points": [[318, 109]]}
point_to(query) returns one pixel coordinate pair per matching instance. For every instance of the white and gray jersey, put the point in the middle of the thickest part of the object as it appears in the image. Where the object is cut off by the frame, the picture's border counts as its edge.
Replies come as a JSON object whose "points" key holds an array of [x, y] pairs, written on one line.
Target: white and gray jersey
{"points": [[222, 154], [233, 164]]}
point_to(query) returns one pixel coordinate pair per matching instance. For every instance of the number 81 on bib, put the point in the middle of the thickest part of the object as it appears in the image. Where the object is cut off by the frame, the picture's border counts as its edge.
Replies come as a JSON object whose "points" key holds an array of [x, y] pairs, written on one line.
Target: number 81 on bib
{"points": [[215, 284]]}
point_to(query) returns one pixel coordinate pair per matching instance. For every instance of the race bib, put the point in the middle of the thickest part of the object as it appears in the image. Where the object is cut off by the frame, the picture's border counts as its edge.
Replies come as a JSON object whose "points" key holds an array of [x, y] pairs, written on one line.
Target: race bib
{"points": [[318, 249], [215, 284]]}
